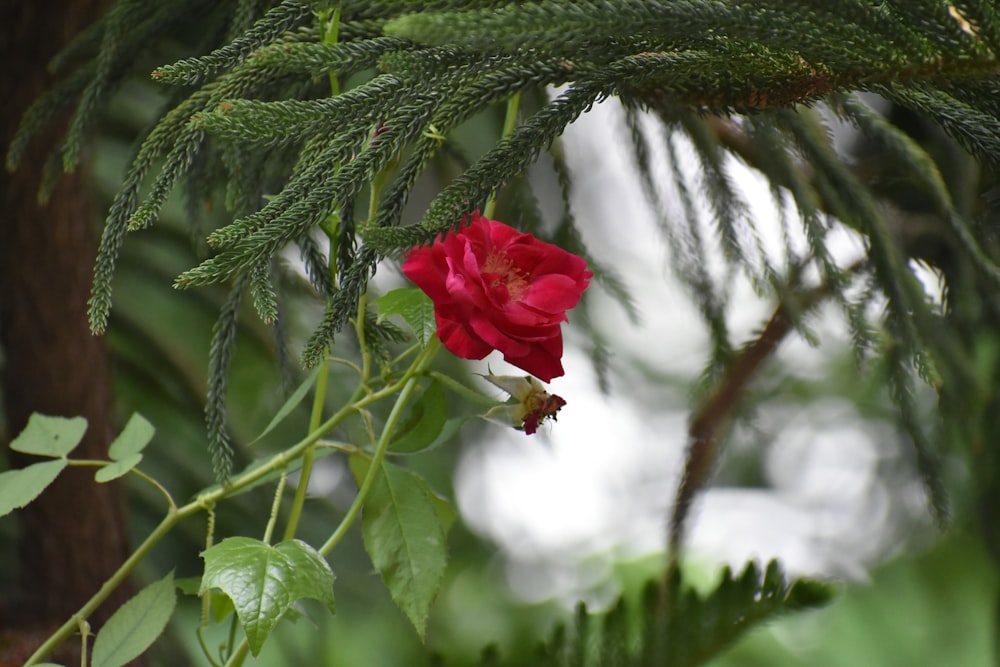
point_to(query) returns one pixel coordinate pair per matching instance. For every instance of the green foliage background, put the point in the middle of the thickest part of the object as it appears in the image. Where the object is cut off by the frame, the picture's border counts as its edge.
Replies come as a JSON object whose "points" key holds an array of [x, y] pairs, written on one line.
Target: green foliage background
{"points": [[252, 130]]}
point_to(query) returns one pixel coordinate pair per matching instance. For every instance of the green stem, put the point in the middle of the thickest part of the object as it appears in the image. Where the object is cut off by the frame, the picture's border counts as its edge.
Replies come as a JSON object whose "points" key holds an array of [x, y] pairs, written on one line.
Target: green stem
{"points": [[84, 636], [319, 400], [272, 519], [376, 463], [330, 27], [239, 655], [462, 390], [410, 379], [204, 501], [331, 34], [206, 597], [95, 463], [115, 580], [359, 328], [509, 125], [381, 447]]}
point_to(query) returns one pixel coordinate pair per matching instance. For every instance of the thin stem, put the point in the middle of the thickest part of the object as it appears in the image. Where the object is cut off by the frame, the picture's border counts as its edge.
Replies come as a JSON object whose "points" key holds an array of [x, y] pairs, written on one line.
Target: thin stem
{"points": [[330, 26], [298, 503], [63, 633], [331, 34], [96, 463], [276, 504], [359, 328], [403, 355], [381, 448], [206, 597], [464, 390], [410, 379], [204, 501], [206, 651], [509, 125], [84, 636], [239, 655]]}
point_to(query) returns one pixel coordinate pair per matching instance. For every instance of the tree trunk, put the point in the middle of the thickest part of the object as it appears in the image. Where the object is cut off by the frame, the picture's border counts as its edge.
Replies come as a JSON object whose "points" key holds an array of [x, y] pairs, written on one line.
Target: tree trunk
{"points": [[73, 536]]}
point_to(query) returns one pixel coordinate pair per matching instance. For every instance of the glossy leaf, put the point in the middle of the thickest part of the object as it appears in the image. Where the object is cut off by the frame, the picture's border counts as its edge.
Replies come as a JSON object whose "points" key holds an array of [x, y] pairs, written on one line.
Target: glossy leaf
{"points": [[424, 423], [415, 307], [133, 438], [264, 581], [20, 487], [50, 436], [404, 532], [117, 468], [135, 625]]}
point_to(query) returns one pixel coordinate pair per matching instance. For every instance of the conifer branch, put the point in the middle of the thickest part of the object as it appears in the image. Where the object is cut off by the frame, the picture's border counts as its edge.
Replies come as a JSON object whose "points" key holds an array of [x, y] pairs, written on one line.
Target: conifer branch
{"points": [[275, 23]]}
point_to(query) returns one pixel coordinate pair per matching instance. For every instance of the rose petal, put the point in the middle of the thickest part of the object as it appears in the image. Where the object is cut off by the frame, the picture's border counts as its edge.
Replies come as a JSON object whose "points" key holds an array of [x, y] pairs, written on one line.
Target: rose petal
{"points": [[426, 267], [486, 331], [552, 293], [461, 341]]}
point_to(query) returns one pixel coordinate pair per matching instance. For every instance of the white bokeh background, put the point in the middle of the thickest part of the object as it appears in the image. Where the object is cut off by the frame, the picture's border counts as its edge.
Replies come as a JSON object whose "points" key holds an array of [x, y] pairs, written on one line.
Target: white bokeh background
{"points": [[595, 487]]}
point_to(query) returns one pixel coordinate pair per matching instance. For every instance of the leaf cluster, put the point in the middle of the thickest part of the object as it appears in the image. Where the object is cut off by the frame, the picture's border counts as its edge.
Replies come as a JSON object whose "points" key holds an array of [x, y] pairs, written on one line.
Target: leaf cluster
{"points": [[677, 627]]}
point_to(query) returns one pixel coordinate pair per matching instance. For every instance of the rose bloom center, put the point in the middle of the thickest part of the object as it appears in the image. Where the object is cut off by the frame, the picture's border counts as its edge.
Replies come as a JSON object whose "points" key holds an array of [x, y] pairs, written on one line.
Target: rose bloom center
{"points": [[499, 270]]}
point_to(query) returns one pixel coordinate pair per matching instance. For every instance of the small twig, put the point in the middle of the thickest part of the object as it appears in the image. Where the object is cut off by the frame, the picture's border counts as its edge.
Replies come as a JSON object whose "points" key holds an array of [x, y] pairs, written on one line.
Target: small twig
{"points": [[708, 422]]}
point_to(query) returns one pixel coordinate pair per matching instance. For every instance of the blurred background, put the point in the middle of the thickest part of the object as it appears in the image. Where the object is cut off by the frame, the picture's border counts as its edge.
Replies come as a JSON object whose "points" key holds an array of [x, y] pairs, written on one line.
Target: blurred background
{"points": [[816, 472]]}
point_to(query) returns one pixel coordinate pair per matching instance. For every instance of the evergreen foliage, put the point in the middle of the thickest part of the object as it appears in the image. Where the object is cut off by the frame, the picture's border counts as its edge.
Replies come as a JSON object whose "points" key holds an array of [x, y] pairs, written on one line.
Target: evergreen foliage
{"points": [[679, 627], [758, 80]]}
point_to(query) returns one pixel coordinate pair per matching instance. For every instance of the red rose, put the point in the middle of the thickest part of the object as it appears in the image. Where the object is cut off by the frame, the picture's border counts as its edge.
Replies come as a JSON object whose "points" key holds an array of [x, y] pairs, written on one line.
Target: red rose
{"points": [[495, 288]]}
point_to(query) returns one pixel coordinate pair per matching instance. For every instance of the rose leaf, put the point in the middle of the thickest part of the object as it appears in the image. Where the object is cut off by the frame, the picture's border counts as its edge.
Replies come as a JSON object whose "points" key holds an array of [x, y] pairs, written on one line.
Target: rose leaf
{"points": [[20, 487], [50, 436], [135, 625], [404, 528], [424, 423]]}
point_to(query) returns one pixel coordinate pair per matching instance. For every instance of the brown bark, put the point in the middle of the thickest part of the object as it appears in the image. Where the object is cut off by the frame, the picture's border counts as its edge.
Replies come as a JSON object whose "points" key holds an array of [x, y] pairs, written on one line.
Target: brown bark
{"points": [[72, 537]]}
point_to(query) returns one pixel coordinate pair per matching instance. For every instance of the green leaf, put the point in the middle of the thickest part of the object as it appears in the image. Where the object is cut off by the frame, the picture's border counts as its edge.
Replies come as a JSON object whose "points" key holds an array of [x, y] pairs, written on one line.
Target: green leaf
{"points": [[404, 532], [20, 487], [221, 605], [117, 469], [133, 438], [415, 307], [263, 581], [445, 512], [50, 436], [188, 585], [423, 425], [293, 401], [136, 625]]}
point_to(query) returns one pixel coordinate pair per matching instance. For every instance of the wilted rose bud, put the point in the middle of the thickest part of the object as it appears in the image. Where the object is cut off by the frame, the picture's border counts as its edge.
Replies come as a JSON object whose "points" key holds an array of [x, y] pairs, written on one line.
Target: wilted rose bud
{"points": [[534, 405]]}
